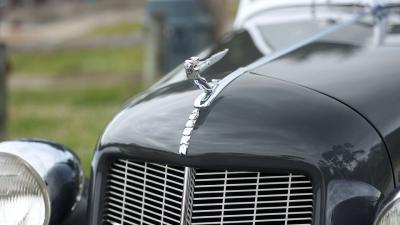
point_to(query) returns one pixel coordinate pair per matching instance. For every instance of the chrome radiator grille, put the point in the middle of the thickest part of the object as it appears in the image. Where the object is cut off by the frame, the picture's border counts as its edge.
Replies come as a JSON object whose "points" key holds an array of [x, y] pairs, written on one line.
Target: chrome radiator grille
{"points": [[228, 197], [143, 193], [148, 193]]}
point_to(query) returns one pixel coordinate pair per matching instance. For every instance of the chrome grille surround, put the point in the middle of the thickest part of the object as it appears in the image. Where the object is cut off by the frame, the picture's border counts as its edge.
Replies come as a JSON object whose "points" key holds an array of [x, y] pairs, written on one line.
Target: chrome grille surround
{"points": [[148, 193]]}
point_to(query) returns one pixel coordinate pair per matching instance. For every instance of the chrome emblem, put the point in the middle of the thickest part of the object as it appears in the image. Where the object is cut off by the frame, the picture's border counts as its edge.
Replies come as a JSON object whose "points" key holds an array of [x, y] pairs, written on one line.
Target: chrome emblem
{"points": [[187, 132], [194, 67]]}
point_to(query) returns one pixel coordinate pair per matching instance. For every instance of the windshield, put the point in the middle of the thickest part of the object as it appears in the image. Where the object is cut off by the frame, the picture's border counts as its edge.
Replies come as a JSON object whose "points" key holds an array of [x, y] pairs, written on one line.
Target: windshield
{"points": [[278, 36], [277, 30], [249, 8], [280, 28]]}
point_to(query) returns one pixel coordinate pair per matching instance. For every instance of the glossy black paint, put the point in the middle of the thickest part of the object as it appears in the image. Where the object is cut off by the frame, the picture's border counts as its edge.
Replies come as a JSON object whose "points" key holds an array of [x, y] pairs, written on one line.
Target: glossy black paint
{"points": [[307, 111], [58, 166], [79, 215], [367, 79]]}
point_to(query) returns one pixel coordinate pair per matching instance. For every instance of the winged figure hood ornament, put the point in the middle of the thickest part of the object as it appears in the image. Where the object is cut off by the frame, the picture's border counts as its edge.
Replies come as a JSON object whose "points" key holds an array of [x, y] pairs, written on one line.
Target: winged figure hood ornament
{"points": [[194, 67]]}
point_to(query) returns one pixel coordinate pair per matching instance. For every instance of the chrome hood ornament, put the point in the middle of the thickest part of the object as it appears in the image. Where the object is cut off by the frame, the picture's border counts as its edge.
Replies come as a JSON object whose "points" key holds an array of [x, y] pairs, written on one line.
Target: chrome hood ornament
{"points": [[194, 67]]}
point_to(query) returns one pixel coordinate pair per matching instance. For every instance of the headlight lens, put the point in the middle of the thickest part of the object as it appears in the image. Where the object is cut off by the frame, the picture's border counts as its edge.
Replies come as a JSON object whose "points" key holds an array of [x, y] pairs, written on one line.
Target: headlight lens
{"points": [[390, 215], [24, 198]]}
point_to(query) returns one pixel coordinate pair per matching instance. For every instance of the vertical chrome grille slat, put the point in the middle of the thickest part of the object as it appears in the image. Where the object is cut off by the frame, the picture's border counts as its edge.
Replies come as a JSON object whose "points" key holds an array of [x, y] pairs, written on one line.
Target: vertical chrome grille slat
{"points": [[256, 199], [223, 198], [164, 194], [288, 199], [187, 203], [147, 193]]}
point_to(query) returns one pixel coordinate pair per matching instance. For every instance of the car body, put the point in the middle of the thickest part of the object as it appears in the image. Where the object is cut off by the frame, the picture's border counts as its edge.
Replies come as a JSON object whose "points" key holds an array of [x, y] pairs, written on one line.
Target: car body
{"points": [[301, 126]]}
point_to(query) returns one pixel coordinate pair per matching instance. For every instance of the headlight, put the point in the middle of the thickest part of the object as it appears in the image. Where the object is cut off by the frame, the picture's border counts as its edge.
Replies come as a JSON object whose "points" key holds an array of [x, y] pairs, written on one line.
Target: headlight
{"points": [[41, 182], [24, 198], [390, 213]]}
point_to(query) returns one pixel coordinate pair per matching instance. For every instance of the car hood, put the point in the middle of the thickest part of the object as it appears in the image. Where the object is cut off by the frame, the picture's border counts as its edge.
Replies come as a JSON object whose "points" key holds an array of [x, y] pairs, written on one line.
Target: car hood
{"points": [[364, 78], [254, 115]]}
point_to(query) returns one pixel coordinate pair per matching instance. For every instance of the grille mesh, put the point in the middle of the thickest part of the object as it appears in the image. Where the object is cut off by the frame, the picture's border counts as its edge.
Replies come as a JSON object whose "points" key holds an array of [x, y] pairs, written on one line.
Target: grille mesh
{"points": [[147, 193], [144, 193], [230, 197]]}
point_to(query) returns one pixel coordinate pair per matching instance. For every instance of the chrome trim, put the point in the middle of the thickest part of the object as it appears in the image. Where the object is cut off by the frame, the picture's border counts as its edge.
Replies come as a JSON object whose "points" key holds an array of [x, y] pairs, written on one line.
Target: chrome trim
{"points": [[205, 196], [392, 199], [187, 199], [241, 197], [205, 99], [143, 193], [194, 67], [187, 132]]}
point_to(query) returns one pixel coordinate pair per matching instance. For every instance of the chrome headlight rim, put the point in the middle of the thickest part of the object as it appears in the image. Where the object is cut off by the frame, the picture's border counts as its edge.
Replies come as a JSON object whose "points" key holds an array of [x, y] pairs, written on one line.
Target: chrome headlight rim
{"points": [[392, 201], [40, 182]]}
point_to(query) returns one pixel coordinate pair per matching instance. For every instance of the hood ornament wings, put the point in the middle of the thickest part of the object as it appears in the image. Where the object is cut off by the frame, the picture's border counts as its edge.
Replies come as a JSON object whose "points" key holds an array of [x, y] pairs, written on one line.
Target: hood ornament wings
{"points": [[194, 67]]}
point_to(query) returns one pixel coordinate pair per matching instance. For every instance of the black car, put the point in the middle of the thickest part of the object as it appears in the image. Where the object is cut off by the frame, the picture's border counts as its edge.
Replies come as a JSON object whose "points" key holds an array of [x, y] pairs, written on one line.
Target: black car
{"points": [[293, 118]]}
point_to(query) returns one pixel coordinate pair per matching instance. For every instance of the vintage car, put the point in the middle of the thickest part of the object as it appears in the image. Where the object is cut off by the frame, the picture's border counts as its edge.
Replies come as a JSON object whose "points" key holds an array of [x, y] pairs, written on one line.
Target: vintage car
{"points": [[293, 118]]}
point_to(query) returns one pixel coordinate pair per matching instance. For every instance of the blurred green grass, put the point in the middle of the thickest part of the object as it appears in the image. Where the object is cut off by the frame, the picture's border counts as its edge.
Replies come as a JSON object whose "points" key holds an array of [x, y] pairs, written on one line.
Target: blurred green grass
{"points": [[120, 28], [78, 61], [67, 110], [74, 116]]}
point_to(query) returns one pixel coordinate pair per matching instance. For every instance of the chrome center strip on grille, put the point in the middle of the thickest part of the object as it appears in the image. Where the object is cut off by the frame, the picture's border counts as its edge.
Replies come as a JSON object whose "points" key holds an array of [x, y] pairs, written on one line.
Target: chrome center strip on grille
{"points": [[187, 199]]}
